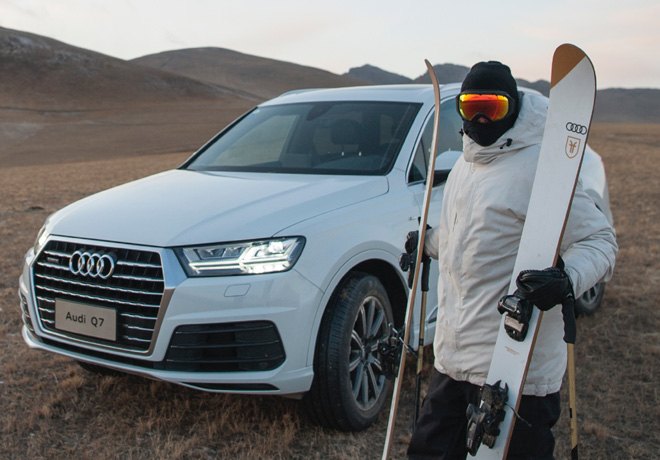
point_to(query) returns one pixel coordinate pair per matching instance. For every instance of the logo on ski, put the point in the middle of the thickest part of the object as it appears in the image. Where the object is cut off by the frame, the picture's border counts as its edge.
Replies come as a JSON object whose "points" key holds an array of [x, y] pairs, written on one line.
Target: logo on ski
{"points": [[572, 146], [576, 128]]}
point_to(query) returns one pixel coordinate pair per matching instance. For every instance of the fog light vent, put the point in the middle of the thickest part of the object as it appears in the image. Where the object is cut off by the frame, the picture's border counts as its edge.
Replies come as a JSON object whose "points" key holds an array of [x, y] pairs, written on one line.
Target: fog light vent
{"points": [[225, 347]]}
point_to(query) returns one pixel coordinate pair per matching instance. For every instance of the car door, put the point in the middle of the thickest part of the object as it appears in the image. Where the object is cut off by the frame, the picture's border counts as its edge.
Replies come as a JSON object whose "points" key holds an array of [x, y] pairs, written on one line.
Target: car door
{"points": [[449, 148]]}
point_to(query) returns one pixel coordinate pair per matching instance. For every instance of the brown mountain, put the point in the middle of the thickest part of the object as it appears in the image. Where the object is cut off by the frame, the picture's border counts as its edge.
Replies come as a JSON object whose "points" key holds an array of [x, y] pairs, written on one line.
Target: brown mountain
{"points": [[639, 105], [261, 77], [377, 76], [60, 103], [614, 105], [39, 72], [446, 73]]}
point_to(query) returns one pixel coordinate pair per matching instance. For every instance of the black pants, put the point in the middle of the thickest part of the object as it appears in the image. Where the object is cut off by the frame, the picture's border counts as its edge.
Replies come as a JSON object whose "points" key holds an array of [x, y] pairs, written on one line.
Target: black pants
{"points": [[442, 424]]}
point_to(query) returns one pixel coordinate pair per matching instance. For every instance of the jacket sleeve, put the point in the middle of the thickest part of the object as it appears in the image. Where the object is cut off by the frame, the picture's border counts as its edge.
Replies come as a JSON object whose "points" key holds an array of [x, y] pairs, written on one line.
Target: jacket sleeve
{"points": [[589, 245]]}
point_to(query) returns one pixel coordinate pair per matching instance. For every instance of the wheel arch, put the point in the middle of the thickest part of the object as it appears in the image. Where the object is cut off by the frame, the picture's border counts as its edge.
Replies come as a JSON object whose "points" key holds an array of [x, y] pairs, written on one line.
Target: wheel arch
{"points": [[393, 283], [390, 276]]}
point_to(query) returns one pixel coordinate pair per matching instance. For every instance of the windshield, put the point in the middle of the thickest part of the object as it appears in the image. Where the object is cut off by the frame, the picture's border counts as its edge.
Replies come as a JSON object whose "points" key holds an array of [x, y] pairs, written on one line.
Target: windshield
{"points": [[312, 138]]}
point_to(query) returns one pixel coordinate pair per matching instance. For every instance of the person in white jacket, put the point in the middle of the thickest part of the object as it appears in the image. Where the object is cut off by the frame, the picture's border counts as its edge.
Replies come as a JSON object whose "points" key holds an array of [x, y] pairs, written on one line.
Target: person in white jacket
{"points": [[476, 242]]}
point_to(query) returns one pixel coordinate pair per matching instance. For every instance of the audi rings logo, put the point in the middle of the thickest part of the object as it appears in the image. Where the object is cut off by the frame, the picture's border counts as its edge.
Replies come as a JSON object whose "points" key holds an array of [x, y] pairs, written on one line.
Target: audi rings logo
{"points": [[575, 128], [93, 264]]}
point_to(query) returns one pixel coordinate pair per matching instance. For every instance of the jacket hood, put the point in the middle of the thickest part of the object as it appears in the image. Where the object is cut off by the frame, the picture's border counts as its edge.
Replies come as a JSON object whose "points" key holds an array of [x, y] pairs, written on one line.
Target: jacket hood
{"points": [[527, 130], [180, 207]]}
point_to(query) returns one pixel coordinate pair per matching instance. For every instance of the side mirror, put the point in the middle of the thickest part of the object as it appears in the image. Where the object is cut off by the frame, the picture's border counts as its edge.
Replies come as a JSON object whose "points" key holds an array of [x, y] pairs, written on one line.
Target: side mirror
{"points": [[443, 165], [440, 176]]}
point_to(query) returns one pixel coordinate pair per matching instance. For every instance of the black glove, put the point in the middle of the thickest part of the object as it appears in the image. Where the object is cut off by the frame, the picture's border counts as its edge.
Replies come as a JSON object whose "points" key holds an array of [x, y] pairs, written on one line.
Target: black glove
{"points": [[407, 259], [547, 288], [412, 239]]}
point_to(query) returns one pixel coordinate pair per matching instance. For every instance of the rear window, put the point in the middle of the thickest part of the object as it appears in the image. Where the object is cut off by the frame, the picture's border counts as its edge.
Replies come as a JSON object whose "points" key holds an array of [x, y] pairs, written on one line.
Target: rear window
{"points": [[312, 138]]}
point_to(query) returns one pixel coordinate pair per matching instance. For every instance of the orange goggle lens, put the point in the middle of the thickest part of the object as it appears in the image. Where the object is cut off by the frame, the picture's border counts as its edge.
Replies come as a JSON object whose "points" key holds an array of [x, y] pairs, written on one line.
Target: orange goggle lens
{"points": [[493, 106]]}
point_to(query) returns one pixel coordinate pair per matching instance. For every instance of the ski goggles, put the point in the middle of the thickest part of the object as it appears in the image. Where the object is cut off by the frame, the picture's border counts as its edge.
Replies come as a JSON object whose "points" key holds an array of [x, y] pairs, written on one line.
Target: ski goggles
{"points": [[494, 105]]}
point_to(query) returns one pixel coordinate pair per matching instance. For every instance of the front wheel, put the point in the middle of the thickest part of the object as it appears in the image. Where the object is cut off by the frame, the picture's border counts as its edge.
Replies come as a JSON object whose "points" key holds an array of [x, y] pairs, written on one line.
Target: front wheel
{"points": [[350, 388]]}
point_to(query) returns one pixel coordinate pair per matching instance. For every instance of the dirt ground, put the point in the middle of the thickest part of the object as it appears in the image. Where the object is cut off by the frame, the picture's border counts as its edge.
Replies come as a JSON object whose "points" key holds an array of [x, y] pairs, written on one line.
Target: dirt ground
{"points": [[53, 409]]}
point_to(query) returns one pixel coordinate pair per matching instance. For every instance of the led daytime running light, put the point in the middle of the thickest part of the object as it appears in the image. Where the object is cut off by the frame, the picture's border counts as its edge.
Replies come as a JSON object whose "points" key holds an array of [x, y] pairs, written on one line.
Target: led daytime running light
{"points": [[253, 257]]}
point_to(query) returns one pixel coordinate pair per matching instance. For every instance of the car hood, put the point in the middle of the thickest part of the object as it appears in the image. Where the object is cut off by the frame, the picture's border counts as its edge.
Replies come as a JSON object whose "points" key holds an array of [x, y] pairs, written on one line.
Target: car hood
{"points": [[179, 207]]}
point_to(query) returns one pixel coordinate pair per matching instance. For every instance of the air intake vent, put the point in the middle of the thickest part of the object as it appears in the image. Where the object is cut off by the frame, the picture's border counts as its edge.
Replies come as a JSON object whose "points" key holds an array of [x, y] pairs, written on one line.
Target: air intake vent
{"points": [[226, 347]]}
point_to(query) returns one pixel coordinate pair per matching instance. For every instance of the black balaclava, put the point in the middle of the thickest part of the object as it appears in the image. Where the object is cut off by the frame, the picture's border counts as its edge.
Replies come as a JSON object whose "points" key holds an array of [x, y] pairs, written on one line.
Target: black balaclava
{"points": [[490, 76]]}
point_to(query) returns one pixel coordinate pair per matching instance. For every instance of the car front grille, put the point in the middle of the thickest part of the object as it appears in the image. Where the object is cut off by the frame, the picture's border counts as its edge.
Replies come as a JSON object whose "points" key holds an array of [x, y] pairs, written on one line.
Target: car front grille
{"points": [[134, 290]]}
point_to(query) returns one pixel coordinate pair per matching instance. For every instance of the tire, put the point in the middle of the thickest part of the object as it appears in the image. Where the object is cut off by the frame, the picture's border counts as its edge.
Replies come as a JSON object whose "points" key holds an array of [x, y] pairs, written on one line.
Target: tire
{"points": [[590, 301], [349, 389]]}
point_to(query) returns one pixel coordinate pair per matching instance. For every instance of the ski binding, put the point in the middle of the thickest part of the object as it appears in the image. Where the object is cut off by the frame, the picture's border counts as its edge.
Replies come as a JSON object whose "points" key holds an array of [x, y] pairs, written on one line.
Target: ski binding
{"points": [[484, 421], [518, 312]]}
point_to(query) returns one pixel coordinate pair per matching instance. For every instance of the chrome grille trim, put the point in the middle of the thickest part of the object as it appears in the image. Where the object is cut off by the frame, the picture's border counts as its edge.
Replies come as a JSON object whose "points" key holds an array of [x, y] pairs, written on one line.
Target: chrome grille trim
{"points": [[130, 315], [134, 278], [91, 285], [137, 328], [135, 290], [135, 339], [97, 298], [49, 265], [136, 264]]}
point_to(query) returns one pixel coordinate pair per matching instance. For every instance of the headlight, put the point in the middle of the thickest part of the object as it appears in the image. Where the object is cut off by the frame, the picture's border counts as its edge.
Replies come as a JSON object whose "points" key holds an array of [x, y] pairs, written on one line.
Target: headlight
{"points": [[42, 237], [244, 258]]}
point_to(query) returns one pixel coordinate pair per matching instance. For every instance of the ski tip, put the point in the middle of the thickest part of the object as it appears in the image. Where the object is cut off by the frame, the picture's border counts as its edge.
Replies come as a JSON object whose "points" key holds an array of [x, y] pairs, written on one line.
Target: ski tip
{"points": [[565, 59], [429, 67], [431, 70]]}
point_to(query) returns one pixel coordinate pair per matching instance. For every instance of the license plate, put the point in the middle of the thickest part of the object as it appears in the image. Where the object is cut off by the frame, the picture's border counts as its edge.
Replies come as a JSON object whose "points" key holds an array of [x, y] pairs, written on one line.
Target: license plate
{"points": [[89, 320]]}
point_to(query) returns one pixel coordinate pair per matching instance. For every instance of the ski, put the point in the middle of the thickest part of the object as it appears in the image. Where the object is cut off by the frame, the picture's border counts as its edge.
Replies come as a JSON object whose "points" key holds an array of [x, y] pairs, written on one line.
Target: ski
{"points": [[570, 109], [417, 264]]}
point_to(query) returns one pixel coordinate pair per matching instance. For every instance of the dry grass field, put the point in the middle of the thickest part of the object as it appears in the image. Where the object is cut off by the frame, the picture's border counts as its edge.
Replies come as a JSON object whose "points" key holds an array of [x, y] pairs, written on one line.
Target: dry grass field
{"points": [[52, 409]]}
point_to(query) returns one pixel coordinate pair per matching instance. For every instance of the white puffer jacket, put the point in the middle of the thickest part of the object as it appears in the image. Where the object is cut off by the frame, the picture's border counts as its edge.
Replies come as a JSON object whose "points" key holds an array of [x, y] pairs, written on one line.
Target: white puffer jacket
{"points": [[483, 212]]}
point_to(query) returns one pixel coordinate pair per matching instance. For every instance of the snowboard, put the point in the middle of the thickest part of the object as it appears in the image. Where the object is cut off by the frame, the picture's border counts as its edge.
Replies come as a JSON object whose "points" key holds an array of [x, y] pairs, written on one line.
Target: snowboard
{"points": [[417, 266], [570, 109]]}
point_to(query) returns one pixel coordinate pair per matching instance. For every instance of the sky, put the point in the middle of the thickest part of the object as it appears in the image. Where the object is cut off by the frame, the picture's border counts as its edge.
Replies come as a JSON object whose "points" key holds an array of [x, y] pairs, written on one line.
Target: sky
{"points": [[621, 37]]}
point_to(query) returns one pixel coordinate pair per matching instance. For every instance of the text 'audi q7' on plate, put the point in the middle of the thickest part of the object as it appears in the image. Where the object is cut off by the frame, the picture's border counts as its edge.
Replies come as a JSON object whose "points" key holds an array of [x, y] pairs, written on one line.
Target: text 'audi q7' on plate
{"points": [[268, 262]]}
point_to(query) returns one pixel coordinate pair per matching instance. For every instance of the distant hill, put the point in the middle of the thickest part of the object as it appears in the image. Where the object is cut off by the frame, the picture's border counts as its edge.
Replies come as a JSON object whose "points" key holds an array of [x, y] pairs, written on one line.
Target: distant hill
{"points": [[377, 76], [446, 73], [629, 105], [612, 105], [261, 77], [39, 72]]}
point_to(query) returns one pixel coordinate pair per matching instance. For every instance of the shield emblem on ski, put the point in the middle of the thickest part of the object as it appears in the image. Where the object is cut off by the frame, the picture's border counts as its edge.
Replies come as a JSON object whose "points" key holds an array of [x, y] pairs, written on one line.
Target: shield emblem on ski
{"points": [[572, 146]]}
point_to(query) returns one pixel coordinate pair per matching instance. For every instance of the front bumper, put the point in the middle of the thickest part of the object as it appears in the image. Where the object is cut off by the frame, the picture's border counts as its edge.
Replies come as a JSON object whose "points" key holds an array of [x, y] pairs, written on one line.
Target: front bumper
{"points": [[199, 316]]}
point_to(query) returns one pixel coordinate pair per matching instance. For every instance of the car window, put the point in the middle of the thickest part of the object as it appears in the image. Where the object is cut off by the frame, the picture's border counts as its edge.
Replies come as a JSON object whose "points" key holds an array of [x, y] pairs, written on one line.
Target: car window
{"points": [[319, 138], [264, 144], [449, 140]]}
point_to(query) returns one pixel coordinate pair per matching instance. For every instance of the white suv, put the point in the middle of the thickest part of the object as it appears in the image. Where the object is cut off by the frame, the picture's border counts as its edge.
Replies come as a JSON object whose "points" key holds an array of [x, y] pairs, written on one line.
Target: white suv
{"points": [[267, 263]]}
